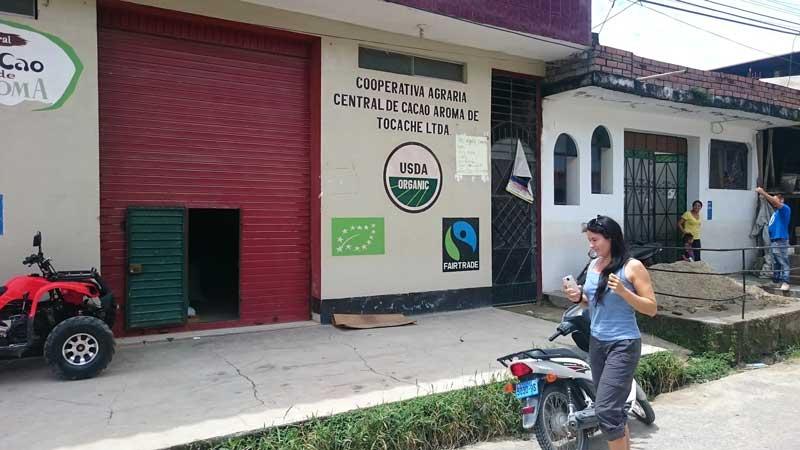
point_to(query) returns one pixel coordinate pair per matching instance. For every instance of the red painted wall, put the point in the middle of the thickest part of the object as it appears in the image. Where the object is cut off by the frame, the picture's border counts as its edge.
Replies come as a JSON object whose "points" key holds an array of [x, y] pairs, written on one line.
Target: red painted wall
{"points": [[566, 20]]}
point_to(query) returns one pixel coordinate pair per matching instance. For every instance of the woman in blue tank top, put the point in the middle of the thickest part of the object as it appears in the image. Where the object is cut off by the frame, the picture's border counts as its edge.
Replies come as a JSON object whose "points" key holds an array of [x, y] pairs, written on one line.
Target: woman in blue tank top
{"points": [[616, 287]]}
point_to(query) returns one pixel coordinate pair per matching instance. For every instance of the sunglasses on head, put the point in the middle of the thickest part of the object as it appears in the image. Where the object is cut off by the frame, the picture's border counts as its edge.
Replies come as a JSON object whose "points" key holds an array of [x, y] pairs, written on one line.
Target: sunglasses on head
{"points": [[593, 224]]}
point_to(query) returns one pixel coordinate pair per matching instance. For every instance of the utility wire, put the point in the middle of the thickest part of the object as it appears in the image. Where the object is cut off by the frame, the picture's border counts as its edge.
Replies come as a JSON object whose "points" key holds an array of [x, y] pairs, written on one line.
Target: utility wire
{"points": [[718, 18], [791, 58], [710, 32], [601, 25], [752, 12], [612, 17], [787, 5], [760, 4], [737, 16]]}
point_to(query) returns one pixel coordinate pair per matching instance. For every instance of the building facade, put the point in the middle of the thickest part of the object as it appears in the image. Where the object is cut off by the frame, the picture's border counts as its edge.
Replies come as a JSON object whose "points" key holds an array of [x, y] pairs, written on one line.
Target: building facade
{"points": [[639, 140], [253, 162]]}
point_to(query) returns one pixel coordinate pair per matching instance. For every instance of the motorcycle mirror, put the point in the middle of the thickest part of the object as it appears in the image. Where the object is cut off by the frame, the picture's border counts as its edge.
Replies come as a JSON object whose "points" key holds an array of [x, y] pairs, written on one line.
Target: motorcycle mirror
{"points": [[37, 239]]}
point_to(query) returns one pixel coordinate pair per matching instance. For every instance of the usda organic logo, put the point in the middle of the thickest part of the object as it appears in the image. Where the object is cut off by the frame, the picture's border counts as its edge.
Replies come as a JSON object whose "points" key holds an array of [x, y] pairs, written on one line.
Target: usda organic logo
{"points": [[412, 177]]}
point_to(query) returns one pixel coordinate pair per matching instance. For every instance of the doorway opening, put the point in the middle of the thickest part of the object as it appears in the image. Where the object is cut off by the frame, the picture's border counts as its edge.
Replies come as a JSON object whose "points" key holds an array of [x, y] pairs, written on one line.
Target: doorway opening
{"points": [[655, 191], [213, 265]]}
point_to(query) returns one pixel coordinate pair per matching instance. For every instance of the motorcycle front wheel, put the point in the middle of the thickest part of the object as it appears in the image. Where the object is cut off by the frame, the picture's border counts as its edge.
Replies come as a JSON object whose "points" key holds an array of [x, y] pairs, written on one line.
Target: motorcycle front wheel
{"points": [[551, 428], [644, 413]]}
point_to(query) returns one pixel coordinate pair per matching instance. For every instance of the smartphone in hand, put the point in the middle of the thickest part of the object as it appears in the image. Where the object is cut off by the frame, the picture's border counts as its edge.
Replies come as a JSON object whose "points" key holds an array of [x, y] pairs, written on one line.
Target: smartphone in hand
{"points": [[570, 283]]}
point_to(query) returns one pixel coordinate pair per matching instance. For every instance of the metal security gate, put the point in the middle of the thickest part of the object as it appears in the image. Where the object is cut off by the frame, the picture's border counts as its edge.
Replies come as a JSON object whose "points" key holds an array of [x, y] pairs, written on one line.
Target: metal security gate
{"points": [[202, 114], [655, 193], [514, 221]]}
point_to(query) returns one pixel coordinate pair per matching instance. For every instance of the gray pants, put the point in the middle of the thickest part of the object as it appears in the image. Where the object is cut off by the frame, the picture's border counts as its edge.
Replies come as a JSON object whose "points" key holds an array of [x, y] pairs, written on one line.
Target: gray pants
{"points": [[781, 267], [613, 365]]}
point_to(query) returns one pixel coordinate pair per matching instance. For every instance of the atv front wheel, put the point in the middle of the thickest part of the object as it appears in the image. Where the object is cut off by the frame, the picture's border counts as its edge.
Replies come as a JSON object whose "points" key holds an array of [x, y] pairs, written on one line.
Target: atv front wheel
{"points": [[79, 347]]}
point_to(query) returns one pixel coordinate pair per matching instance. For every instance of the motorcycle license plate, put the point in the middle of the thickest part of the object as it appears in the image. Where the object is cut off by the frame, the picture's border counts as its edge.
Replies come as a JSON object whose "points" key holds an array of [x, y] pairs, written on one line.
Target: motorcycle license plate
{"points": [[527, 389]]}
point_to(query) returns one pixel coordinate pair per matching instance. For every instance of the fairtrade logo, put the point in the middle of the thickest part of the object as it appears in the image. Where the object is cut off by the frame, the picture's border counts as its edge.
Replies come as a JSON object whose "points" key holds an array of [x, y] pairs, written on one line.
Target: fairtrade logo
{"points": [[460, 245]]}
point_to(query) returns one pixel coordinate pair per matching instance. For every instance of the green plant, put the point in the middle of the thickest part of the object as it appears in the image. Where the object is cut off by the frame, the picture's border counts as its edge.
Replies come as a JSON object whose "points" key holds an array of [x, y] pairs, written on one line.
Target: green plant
{"points": [[660, 372], [446, 420], [709, 367]]}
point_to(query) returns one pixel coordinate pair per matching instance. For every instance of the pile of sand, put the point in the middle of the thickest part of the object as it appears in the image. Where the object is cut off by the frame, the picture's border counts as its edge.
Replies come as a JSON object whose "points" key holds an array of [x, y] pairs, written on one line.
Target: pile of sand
{"points": [[724, 293]]}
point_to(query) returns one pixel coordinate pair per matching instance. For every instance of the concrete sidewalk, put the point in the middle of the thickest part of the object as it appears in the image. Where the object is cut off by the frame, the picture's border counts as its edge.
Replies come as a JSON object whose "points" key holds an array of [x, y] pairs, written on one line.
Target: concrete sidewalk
{"points": [[160, 394]]}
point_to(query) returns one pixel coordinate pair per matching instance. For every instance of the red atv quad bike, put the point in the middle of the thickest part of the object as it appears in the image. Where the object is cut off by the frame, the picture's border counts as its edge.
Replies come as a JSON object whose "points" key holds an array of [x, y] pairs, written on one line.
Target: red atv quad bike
{"points": [[67, 315]]}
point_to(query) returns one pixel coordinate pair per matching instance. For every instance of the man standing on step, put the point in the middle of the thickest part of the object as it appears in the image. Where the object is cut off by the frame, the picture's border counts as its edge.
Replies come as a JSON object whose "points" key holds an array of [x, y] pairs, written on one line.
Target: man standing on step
{"points": [[779, 237]]}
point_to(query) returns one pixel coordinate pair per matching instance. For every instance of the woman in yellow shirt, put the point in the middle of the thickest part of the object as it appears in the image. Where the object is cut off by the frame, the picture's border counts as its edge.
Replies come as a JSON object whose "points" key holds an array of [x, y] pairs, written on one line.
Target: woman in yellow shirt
{"points": [[689, 223]]}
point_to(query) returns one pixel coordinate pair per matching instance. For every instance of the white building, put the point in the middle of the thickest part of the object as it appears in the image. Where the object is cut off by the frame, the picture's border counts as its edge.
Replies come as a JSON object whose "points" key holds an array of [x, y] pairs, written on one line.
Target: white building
{"points": [[676, 135]]}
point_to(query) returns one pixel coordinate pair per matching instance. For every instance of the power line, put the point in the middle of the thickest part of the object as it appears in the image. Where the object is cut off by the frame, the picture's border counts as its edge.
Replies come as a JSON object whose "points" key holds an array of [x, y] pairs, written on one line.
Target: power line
{"points": [[761, 4], [710, 32], [613, 3], [718, 18], [737, 15], [791, 58], [785, 5], [608, 19], [752, 12]]}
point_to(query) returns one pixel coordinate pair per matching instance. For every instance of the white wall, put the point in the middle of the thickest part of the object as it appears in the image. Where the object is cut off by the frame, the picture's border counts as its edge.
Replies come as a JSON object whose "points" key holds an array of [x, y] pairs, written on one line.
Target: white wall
{"points": [[49, 159], [563, 245]]}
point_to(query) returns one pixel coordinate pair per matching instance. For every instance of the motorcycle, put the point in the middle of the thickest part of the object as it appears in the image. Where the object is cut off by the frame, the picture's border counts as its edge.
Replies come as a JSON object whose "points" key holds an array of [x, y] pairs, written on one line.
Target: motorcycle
{"points": [[556, 389]]}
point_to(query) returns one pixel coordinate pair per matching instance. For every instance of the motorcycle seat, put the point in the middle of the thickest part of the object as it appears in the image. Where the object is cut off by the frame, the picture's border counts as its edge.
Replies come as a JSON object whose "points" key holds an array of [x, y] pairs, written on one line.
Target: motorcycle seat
{"points": [[559, 353]]}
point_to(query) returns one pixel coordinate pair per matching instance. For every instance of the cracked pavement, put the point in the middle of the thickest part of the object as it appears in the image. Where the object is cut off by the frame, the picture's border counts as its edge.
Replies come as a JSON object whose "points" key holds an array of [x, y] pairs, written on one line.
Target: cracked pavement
{"points": [[160, 394]]}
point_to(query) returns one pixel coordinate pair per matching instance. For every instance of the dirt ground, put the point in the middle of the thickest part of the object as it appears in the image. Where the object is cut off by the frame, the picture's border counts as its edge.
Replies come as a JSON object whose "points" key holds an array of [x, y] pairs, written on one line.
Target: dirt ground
{"points": [[723, 293]]}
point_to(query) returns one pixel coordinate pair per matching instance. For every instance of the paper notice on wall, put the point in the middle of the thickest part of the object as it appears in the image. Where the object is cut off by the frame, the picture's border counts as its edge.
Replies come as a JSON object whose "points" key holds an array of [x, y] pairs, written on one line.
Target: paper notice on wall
{"points": [[472, 157]]}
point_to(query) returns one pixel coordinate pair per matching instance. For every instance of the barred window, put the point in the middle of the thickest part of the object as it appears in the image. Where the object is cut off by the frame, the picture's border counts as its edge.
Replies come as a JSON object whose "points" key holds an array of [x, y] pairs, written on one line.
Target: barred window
{"points": [[728, 165]]}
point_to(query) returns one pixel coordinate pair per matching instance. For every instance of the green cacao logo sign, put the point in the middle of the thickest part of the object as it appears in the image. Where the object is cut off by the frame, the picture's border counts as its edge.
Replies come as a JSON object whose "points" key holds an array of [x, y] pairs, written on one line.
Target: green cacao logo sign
{"points": [[36, 67], [412, 177]]}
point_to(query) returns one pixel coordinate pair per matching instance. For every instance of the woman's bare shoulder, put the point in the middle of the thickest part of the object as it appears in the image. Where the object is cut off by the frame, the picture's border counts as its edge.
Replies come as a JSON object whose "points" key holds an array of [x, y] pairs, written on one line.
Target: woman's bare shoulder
{"points": [[634, 266]]}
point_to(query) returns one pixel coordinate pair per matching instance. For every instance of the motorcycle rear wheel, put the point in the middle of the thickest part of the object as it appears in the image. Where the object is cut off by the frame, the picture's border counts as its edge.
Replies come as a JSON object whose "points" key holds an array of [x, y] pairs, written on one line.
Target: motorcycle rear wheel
{"points": [[551, 428]]}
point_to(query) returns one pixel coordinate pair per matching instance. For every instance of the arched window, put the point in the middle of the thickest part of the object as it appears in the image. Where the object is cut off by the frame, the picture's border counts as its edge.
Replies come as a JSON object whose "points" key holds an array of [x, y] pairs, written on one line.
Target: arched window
{"points": [[566, 175], [602, 162]]}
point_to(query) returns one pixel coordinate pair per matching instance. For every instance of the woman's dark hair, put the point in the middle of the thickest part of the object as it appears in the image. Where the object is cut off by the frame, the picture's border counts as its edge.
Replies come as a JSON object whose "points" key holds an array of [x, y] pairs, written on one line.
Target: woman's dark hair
{"points": [[696, 202], [688, 237], [609, 229]]}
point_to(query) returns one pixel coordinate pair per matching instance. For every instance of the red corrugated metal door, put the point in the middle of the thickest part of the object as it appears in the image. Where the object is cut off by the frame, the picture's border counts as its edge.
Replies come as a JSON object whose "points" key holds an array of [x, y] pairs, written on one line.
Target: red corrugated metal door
{"points": [[197, 114]]}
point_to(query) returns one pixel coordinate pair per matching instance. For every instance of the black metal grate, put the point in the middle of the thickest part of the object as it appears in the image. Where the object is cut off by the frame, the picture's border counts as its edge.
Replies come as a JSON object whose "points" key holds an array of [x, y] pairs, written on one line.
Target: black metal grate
{"points": [[514, 221], [655, 198]]}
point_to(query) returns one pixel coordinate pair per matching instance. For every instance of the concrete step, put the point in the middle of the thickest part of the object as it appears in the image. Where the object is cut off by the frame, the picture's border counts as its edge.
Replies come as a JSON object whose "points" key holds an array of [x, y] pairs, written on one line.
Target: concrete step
{"points": [[558, 299], [794, 291]]}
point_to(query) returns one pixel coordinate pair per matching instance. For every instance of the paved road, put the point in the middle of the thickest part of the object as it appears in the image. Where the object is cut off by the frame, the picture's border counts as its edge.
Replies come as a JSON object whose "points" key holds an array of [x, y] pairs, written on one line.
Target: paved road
{"points": [[755, 410]]}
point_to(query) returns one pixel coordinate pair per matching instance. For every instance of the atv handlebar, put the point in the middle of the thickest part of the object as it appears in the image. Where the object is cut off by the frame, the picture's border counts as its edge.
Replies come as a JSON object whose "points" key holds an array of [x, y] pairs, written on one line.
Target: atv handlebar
{"points": [[30, 260], [555, 335]]}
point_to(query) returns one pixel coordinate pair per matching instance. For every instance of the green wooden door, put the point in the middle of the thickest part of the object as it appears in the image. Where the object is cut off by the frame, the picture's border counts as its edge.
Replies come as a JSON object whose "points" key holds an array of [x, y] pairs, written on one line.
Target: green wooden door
{"points": [[157, 294]]}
